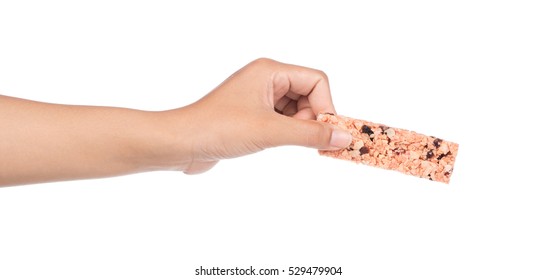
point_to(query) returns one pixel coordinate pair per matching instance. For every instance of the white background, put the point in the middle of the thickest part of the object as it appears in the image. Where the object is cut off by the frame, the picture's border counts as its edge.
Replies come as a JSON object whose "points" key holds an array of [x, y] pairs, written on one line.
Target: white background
{"points": [[460, 70]]}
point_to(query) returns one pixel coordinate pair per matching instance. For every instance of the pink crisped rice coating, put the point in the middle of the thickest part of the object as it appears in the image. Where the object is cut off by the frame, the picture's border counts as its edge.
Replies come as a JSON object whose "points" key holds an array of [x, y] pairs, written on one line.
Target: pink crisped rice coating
{"points": [[395, 149]]}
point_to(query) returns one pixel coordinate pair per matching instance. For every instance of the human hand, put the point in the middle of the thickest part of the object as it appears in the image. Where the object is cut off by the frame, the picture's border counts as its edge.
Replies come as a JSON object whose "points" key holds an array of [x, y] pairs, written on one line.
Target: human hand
{"points": [[264, 104]]}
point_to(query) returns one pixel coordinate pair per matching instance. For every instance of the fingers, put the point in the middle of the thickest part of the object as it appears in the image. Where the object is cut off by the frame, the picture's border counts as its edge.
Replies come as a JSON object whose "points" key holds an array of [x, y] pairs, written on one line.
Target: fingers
{"points": [[290, 109], [302, 93], [294, 82], [281, 104], [299, 109], [304, 111]]}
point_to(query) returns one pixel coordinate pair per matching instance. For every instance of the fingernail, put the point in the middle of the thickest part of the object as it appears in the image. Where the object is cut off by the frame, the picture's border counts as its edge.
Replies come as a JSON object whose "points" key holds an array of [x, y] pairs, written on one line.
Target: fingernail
{"points": [[340, 139]]}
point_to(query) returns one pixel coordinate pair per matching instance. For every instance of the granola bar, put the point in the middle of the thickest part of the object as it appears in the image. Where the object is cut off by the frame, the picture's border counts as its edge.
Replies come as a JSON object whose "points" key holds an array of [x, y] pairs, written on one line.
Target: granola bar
{"points": [[395, 149]]}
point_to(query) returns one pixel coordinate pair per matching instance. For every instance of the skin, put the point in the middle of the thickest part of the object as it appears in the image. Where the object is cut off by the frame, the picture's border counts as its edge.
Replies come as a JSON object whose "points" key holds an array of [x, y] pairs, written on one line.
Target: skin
{"points": [[265, 104]]}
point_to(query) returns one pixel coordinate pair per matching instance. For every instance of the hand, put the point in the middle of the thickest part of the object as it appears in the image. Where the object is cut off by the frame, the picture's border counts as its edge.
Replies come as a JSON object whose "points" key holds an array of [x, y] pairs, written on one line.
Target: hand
{"points": [[263, 105], [42, 142]]}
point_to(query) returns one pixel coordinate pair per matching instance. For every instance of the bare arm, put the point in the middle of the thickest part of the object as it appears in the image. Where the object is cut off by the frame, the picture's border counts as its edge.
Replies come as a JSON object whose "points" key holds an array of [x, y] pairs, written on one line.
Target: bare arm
{"points": [[42, 142]]}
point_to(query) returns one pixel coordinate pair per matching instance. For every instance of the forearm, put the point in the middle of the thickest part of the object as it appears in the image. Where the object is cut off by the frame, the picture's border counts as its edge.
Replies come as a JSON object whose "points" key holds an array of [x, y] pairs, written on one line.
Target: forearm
{"points": [[42, 142]]}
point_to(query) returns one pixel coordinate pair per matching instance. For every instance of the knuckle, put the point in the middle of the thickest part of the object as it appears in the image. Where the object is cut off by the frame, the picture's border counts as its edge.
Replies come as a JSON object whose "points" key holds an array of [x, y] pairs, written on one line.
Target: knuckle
{"points": [[262, 61], [322, 75]]}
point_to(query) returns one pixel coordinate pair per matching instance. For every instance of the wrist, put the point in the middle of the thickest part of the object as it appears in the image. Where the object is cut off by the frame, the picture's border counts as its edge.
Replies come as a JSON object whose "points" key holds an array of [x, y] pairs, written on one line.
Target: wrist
{"points": [[161, 145]]}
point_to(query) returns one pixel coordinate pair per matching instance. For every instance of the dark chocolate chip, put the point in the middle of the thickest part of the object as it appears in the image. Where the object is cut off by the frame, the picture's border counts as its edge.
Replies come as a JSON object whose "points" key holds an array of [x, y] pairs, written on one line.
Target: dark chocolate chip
{"points": [[367, 129], [430, 154], [430, 178], [443, 155], [364, 150], [350, 149], [437, 142], [447, 173]]}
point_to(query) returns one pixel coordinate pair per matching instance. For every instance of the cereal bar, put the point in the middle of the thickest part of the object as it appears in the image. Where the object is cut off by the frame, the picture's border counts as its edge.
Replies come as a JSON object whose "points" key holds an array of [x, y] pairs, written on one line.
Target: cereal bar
{"points": [[395, 149]]}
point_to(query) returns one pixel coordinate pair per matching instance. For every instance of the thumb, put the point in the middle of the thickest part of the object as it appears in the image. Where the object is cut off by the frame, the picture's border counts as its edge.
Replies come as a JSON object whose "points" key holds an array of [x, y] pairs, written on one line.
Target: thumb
{"points": [[308, 133]]}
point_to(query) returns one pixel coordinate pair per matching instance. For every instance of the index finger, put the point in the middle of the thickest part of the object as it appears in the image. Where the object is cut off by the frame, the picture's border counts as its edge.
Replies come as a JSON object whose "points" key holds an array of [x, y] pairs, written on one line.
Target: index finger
{"points": [[303, 81]]}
